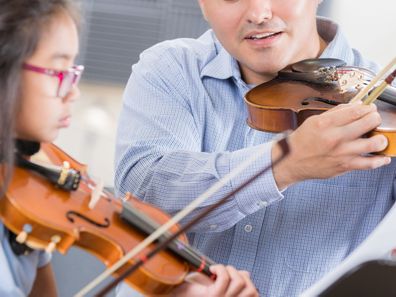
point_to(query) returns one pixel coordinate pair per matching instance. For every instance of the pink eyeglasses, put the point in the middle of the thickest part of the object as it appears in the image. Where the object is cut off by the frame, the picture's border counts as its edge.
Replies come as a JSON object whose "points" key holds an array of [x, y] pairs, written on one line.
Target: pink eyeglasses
{"points": [[66, 78]]}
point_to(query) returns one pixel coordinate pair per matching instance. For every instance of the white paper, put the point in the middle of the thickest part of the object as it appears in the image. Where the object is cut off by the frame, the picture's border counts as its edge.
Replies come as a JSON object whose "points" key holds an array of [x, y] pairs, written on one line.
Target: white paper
{"points": [[378, 245]]}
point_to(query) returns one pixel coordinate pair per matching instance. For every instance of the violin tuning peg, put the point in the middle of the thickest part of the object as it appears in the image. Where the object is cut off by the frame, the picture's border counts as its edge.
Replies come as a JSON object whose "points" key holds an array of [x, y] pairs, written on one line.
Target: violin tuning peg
{"points": [[23, 235], [52, 245]]}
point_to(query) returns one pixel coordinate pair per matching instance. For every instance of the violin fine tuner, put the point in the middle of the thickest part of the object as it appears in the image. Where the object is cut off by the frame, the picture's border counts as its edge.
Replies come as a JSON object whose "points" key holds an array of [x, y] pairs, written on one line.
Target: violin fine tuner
{"points": [[63, 173]]}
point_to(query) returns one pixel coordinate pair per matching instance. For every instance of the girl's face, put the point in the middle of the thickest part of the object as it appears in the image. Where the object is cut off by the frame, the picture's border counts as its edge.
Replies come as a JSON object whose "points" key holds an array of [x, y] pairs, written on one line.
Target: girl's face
{"points": [[43, 112]]}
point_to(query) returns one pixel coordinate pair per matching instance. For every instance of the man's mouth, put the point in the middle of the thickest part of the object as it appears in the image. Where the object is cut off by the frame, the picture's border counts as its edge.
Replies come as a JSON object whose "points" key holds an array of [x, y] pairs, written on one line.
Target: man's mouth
{"points": [[263, 35]]}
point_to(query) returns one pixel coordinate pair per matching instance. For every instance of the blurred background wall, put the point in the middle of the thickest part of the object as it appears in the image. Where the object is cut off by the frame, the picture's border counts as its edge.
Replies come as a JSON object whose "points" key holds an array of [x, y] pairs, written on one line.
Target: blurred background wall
{"points": [[114, 34], [369, 25]]}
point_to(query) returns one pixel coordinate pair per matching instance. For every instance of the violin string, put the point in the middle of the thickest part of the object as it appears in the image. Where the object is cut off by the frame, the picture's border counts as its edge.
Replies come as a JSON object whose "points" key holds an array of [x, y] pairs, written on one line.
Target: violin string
{"points": [[173, 221], [159, 247], [92, 186], [364, 91], [380, 89]]}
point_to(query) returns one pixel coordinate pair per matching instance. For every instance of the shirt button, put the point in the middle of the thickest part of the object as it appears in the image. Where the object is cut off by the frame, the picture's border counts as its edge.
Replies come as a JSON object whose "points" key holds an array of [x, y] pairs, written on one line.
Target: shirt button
{"points": [[212, 227], [262, 204], [248, 228]]}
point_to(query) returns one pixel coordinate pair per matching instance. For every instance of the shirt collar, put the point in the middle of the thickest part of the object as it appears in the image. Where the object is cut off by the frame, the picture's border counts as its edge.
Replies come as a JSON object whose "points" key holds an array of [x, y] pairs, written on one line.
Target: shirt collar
{"points": [[223, 65], [337, 44]]}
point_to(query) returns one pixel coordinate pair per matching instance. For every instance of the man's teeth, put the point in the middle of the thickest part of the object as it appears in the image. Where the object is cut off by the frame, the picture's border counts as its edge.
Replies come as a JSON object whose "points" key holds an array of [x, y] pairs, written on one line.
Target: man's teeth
{"points": [[261, 36]]}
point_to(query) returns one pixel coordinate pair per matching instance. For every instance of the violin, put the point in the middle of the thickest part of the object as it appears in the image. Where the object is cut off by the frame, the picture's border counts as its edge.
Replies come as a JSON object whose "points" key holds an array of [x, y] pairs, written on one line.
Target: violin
{"points": [[311, 87], [55, 207]]}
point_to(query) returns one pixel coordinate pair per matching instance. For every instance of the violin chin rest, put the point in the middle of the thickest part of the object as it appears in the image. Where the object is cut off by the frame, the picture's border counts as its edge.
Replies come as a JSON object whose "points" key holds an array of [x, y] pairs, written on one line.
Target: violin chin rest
{"points": [[313, 65]]}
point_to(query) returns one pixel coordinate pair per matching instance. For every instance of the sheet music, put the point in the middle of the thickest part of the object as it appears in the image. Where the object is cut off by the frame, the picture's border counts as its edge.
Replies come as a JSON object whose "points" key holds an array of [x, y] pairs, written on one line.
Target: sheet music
{"points": [[378, 245]]}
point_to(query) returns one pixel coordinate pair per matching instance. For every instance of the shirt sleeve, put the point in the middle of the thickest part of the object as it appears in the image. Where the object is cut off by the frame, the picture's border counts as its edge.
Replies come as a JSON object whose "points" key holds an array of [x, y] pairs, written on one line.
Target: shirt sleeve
{"points": [[159, 156], [44, 259]]}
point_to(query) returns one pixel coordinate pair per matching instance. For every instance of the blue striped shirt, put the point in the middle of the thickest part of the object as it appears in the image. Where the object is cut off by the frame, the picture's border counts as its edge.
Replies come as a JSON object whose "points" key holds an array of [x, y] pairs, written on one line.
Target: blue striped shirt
{"points": [[183, 127]]}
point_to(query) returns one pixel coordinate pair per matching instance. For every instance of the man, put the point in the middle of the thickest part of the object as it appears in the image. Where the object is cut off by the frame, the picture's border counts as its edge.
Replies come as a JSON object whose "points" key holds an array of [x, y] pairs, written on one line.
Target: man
{"points": [[183, 127]]}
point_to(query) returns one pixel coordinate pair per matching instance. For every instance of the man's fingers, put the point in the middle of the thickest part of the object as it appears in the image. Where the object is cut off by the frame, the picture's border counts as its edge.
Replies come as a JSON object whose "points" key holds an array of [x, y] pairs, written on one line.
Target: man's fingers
{"points": [[361, 126], [364, 163], [363, 146], [346, 113]]}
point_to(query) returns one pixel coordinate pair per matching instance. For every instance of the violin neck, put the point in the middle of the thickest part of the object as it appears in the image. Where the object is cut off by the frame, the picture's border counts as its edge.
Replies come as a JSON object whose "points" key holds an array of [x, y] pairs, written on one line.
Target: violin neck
{"points": [[185, 252]]}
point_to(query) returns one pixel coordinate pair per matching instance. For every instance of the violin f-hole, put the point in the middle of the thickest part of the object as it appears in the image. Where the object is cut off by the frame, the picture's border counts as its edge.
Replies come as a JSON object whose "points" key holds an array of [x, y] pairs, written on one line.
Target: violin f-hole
{"points": [[70, 214], [326, 101]]}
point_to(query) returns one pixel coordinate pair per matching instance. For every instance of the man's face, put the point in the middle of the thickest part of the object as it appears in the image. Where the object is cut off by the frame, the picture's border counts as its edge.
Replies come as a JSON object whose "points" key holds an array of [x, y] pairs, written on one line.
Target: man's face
{"points": [[264, 35]]}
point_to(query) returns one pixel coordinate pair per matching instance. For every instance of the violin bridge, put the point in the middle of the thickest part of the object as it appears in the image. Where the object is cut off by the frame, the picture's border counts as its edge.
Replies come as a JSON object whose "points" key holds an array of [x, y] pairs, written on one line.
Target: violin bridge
{"points": [[96, 194], [351, 79]]}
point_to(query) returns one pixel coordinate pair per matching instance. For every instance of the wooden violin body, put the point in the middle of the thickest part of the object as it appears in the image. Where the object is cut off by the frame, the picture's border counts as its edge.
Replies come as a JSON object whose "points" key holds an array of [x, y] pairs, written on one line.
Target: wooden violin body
{"points": [[45, 217], [283, 104]]}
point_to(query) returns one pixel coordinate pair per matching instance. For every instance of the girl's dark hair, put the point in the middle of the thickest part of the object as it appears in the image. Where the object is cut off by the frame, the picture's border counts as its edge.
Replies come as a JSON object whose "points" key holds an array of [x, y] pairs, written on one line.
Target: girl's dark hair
{"points": [[22, 23]]}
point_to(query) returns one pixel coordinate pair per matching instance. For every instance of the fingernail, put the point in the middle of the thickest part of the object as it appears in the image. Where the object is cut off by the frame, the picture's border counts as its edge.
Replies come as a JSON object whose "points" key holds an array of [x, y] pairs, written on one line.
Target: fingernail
{"points": [[382, 162], [384, 141]]}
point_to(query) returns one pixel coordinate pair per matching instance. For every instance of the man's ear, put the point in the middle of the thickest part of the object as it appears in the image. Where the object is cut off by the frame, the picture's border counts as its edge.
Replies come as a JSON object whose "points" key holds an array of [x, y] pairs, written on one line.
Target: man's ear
{"points": [[318, 2], [202, 5]]}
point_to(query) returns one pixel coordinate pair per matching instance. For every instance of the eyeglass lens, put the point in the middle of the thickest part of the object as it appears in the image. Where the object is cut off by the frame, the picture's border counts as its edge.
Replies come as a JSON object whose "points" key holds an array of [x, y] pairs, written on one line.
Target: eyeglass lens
{"points": [[66, 84]]}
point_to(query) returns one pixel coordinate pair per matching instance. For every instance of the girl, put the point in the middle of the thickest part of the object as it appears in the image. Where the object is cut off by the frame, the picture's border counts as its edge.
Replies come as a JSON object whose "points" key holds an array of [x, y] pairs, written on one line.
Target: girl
{"points": [[38, 45], [38, 83]]}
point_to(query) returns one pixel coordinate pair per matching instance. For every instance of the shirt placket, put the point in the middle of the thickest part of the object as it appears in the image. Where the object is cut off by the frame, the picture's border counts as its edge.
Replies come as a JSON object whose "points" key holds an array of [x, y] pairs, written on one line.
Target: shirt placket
{"points": [[246, 238]]}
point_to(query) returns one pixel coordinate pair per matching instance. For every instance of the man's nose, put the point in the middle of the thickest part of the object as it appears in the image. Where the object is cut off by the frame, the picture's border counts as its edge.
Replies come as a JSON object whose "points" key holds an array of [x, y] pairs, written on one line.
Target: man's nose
{"points": [[259, 11]]}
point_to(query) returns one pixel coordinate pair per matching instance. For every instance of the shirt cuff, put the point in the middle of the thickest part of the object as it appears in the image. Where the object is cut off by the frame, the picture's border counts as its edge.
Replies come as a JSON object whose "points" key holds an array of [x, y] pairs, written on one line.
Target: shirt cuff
{"points": [[44, 259], [263, 190]]}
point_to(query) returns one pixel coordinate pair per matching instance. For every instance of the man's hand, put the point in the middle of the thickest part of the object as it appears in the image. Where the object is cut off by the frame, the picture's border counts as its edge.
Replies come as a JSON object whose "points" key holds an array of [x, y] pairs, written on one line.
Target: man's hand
{"points": [[331, 144], [229, 283]]}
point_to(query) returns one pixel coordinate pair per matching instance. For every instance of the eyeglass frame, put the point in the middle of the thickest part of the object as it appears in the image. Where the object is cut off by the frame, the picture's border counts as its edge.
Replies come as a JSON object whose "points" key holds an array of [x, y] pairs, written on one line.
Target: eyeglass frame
{"points": [[75, 70]]}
